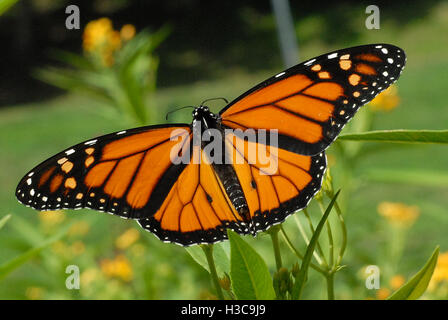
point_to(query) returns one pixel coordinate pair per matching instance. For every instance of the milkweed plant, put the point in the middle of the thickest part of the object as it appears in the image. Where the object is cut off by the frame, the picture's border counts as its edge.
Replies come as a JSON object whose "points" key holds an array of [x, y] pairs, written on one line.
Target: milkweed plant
{"points": [[120, 67]]}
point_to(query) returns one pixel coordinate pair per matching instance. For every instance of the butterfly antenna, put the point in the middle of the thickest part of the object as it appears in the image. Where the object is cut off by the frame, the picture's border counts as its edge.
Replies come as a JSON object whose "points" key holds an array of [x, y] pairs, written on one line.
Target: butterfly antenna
{"points": [[218, 98], [169, 112]]}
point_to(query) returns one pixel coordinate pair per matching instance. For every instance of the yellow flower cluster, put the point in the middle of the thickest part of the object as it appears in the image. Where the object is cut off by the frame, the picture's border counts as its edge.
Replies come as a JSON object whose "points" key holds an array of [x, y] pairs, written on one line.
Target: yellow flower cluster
{"points": [[127, 238], [399, 213], [441, 271], [386, 100], [119, 267], [101, 40]]}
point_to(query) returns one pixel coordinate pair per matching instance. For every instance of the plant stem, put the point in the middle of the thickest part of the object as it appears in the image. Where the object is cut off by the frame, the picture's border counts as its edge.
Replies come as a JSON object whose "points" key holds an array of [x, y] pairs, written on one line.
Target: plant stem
{"points": [[297, 253], [275, 244], [330, 285], [208, 251], [319, 248]]}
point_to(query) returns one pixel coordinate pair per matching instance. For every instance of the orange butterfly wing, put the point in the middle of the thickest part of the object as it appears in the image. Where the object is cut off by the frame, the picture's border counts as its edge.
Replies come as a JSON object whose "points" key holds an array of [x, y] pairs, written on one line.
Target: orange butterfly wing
{"points": [[127, 173], [276, 184], [310, 103], [197, 209]]}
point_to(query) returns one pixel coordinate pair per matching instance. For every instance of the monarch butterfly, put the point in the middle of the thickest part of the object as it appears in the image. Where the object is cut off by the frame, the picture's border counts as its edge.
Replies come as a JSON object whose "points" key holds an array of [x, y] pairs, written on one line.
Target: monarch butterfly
{"points": [[131, 173]]}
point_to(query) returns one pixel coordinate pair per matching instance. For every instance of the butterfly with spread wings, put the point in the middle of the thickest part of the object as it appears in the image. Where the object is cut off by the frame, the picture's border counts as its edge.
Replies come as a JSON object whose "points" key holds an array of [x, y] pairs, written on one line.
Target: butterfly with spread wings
{"points": [[131, 173]]}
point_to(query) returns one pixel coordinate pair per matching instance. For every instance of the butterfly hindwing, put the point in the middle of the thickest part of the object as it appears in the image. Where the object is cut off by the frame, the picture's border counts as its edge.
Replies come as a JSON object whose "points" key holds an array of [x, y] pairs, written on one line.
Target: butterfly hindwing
{"points": [[310, 103]]}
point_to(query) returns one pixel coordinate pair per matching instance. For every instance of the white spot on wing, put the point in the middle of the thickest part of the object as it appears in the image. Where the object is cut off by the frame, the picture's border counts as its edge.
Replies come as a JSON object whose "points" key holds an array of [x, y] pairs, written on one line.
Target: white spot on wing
{"points": [[69, 152], [309, 62], [332, 55], [280, 74]]}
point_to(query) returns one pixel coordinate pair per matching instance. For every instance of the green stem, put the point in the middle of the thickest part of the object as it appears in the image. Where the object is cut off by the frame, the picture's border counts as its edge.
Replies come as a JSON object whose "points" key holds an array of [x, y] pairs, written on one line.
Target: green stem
{"points": [[297, 253], [330, 236], [275, 244], [330, 285], [208, 251], [319, 248]]}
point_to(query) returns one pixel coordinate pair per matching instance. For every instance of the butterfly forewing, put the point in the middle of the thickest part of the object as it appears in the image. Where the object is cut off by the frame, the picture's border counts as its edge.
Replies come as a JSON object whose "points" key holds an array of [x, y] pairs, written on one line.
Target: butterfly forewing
{"points": [[310, 103]]}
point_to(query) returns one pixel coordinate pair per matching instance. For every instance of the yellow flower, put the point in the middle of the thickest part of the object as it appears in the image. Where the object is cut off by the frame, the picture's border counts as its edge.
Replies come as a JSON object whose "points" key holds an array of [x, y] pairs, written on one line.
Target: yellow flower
{"points": [[127, 32], [78, 248], [382, 294], [397, 281], [386, 100], [399, 213], [51, 218], [441, 271], [80, 228], [88, 276], [119, 267], [101, 40], [96, 33], [34, 293], [127, 238]]}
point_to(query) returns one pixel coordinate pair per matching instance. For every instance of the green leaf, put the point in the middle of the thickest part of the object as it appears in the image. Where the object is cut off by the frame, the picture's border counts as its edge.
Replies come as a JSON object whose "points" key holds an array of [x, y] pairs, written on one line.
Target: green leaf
{"points": [[301, 277], [248, 272], [400, 136], [408, 176], [4, 220], [416, 286], [221, 259], [6, 4], [9, 266]]}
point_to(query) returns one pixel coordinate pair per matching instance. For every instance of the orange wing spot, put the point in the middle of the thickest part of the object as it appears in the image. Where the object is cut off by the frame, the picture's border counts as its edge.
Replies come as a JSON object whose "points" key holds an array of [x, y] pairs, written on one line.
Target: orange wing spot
{"points": [[325, 90], [67, 166], [345, 101], [354, 79], [89, 161], [62, 160], [345, 56], [309, 107], [342, 112], [316, 67], [369, 57], [271, 93], [102, 200], [45, 176], [92, 194], [345, 64], [188, 219], [70, 183], [324, 75], [154, 164], [99, 173], [121, 177], [269, 117], [365, 69], [79, 196], [356, 94], [137, 143], [56, 182], [89, 151], [285, 189]]}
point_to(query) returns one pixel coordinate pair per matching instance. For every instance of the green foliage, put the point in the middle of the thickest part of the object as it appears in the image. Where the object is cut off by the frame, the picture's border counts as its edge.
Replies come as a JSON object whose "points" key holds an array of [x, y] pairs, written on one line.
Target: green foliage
{"points": [[248, 272], [9, 266], [417, 285], [301, 277], [400, 136], [125, 85], [6, 4]]}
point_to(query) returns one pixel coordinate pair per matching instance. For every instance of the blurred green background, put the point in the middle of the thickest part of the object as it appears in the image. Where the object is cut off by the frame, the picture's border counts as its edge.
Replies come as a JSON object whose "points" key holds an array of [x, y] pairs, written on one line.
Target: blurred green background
{"points": [[394, 198]]}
